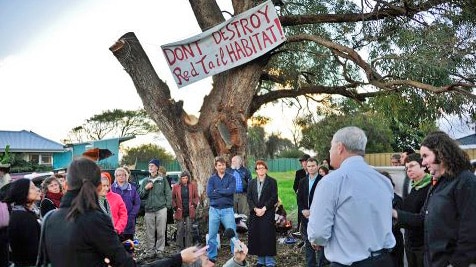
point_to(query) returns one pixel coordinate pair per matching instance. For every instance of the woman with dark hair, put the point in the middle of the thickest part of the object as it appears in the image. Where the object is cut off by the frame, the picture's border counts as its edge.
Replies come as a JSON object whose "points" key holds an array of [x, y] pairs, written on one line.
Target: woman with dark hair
{"points": [[449, 210], [24, 227], [323, 170], [262, 198], [414, 232], [52, 194]]}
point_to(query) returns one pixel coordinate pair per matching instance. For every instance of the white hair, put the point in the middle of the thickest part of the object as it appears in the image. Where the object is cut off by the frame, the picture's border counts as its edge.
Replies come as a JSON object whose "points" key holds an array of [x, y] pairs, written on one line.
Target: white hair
{"points": [[353, 139]]}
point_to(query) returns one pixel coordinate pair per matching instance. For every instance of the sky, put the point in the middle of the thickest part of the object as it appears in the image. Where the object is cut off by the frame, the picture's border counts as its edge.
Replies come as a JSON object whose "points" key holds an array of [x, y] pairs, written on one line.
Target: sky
{"points": [[56, 69]]}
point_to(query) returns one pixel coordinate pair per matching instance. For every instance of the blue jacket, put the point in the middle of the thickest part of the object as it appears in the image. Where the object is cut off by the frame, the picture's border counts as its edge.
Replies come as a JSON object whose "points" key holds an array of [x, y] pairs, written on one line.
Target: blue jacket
{"points": [[220, 191], [245, 176]]}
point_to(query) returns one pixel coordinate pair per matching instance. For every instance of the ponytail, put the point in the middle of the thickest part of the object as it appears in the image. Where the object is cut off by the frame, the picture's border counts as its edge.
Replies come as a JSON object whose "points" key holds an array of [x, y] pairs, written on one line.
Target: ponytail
{"points": [[86, 200]]}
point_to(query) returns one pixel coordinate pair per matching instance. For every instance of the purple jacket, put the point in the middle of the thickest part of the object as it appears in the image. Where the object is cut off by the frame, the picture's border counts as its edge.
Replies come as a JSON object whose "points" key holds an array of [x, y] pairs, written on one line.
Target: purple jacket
{"points": [[132, 200]]}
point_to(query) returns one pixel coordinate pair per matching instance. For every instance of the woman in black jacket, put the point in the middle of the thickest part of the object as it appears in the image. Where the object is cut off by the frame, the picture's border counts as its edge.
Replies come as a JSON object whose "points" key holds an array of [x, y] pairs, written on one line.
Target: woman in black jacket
{"points": [[53, 192], [450, 209], [262, 198], [24, 228]]}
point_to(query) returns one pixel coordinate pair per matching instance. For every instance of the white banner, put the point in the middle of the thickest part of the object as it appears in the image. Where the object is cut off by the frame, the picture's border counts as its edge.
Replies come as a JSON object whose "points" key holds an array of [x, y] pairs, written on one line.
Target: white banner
{"points": [[227, 45]]}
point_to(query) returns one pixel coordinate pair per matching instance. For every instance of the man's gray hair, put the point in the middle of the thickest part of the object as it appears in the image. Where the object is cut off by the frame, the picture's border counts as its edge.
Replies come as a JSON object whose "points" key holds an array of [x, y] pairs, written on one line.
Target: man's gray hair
{"points": [[353, 139], [238, 157]]}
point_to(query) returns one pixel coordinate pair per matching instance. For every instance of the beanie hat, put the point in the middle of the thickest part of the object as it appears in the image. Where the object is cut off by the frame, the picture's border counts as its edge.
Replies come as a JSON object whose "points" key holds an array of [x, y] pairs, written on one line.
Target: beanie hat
{"points": [[107, 175], [156, 162], [18, 192], [82, 170]]}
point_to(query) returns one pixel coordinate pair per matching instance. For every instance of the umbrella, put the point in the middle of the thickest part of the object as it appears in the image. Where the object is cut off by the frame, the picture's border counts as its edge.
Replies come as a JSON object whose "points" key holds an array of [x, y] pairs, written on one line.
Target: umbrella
{"points": [[97, 154]]}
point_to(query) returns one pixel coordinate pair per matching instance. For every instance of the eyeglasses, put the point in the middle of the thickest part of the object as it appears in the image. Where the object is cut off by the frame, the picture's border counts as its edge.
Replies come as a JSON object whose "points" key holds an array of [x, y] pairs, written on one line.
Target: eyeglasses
{"points": [[260, 168]]}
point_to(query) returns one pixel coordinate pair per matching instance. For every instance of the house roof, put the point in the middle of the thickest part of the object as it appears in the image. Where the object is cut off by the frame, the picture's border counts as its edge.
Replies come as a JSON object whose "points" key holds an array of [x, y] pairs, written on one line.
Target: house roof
{"points": [[467, 140], [27, 141], [120, 140]]}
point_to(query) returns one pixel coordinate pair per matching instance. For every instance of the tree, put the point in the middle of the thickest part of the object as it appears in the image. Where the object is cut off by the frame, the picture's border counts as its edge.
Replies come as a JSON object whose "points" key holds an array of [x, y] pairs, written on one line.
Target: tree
{"points": [[338, 48], [317, 136], [275, 145], [256, 143], [114, 123], [144, 153]]}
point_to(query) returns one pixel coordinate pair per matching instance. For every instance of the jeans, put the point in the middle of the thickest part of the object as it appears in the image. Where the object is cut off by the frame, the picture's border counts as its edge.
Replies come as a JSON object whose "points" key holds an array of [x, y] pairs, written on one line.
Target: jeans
{"points": [[225, 216], [267, 260]]}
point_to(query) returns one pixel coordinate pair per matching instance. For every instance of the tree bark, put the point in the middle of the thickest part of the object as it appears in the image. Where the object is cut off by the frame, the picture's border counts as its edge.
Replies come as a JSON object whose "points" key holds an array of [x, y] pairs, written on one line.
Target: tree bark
{"points": [[222, 126]]}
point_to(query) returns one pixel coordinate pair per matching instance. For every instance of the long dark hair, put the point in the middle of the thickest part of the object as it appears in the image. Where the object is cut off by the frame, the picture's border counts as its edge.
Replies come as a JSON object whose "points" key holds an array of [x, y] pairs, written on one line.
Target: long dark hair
{"points": [[84, 176], [447, 152]]}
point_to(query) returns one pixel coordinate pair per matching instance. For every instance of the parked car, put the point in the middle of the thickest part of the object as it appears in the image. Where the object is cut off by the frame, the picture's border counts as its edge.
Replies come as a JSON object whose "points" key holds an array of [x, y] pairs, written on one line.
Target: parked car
{"points": [[174, 176]]}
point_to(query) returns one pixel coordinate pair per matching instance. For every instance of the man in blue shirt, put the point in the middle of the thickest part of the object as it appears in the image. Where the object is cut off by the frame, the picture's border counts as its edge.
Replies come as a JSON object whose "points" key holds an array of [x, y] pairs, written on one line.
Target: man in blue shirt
{"points": [[351, 212], [220, 189], [242, 178]]}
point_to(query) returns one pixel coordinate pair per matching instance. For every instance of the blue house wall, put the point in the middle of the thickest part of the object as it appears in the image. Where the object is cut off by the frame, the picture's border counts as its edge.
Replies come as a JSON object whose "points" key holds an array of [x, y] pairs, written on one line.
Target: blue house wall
{"points": [[62, 159], [72, 151]]}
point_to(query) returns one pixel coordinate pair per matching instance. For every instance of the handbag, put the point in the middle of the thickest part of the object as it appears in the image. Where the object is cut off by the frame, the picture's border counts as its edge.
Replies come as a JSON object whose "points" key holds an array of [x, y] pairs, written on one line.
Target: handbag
{"points": [[42, 259]]}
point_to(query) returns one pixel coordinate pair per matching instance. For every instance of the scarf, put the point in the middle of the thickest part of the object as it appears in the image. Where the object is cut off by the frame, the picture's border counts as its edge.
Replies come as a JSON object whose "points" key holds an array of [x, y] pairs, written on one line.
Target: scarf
{"points": [[422, 182], [104, 205], [54, 197]]}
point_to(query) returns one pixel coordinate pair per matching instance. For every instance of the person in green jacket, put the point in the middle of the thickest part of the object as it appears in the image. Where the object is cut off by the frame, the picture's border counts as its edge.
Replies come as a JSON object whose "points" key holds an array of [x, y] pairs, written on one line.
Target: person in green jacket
{"points": [[157, 197]]}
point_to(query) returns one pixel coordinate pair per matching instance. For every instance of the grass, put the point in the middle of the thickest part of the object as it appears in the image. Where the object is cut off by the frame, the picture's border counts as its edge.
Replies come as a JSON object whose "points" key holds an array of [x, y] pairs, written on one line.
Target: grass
{"points": [[286, 192]]}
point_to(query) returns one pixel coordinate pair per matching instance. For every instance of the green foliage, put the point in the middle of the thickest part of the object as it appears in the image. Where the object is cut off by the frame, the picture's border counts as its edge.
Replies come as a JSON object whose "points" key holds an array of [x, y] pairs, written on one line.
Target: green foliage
{"points": [[317, 136], [256, 143], [20, 165], [5, 157], [276, 145], [144, 153], [410, 121], [290, 153], [434, 47]]}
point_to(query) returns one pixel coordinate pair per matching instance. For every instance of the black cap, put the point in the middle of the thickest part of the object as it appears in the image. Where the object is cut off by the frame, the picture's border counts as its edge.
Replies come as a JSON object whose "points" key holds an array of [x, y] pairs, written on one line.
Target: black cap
{"points": [[304, 157]]}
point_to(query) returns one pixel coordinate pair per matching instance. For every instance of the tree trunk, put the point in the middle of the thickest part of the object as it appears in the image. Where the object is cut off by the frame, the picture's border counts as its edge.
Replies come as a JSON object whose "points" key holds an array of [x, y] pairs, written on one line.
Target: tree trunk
{"points": [[222, 126]]}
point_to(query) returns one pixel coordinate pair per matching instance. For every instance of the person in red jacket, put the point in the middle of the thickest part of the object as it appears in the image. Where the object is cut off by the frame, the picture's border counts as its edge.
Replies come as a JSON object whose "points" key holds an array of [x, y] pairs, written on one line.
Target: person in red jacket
{"points": [[118, 210], [184, 202]]}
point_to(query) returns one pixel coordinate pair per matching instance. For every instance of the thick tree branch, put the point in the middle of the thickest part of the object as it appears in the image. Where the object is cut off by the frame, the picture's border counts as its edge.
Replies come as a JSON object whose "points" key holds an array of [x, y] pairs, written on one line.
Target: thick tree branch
{"points": [[340, 50], [381, 13], [259, 100]]}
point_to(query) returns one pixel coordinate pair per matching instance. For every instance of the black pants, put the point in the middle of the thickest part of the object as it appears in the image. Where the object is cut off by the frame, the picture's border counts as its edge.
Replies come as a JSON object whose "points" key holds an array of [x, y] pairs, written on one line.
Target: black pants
{"points": [[383, 259], [4, 247]]}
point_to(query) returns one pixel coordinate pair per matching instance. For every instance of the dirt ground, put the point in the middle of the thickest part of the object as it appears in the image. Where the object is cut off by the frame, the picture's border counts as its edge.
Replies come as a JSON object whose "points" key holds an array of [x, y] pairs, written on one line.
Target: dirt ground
{"points": [[290, 255]]}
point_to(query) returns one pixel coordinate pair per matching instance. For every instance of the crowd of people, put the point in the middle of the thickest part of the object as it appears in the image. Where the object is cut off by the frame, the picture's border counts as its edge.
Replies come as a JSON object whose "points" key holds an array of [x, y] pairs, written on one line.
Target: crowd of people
{"points": [[348, 213]]}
